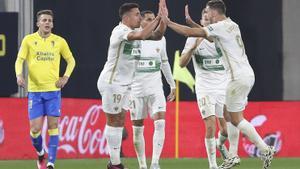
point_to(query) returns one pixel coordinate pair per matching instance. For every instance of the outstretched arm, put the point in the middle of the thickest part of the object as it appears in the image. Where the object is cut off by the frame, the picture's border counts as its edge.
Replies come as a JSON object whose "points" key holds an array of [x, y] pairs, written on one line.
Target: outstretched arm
{"points": [[187, 31], [186, 56], [145, 33], [181, 29]]}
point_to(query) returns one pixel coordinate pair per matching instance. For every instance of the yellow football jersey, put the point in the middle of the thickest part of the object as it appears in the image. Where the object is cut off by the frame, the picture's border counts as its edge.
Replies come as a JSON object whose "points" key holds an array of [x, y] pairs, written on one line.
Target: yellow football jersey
{"points": [[43, 59]]}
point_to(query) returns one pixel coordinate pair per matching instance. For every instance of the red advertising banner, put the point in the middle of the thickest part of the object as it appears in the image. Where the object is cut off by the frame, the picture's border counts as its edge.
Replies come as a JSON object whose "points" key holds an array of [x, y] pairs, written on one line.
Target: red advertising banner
{"points": [[82, 130]]}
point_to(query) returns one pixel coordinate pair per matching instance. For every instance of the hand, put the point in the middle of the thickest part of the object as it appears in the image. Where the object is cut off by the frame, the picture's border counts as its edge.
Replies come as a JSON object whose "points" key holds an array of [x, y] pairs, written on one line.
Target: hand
{"points": [[164, 16], [163, 7], [188, 18], [21, 81], [172, 95], [197, 43], [62, 81]]}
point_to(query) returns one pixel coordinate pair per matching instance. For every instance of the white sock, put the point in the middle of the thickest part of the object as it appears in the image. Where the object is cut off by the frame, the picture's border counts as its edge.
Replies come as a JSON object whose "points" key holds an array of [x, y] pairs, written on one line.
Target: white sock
{"points": [[233, 138], [210, 144], [114, 140], [158, 140], [247, 129], [221, 139], [139, 145], [42, 152]]}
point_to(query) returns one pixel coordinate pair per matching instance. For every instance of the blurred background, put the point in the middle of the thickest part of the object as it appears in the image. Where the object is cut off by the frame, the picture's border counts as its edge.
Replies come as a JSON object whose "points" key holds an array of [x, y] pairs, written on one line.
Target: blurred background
{"points": [[269, 29]]}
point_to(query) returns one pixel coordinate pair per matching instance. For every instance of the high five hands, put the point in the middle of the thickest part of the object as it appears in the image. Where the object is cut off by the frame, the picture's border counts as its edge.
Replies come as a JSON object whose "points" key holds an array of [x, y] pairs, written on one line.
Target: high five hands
{"points": [[163, 11]]}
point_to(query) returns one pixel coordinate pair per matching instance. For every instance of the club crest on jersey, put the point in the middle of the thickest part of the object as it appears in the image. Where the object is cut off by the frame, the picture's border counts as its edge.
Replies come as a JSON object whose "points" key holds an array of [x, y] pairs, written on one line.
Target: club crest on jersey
{"points": [[52, 43], [157, 50], [135, 52], [35, 43]]}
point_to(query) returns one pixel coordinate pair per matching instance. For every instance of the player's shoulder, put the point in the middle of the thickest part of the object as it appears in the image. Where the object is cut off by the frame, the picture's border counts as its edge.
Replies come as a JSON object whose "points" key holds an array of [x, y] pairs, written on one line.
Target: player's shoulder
{"points": [[121, 28], [191, 40], [57, 37], [31, 36]]}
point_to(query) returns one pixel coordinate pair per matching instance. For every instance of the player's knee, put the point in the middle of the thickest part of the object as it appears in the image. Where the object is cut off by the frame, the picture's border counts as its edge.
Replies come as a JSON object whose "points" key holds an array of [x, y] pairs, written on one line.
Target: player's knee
{"points": [[210, 124], [115, 120], [159, 116], [210, 130], [223, 132], [35, 129], [138, 123], [235, 122]]}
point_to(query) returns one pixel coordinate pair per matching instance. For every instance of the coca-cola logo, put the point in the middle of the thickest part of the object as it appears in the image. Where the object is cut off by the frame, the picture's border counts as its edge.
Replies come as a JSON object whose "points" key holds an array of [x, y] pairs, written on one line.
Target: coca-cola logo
{"points": [[81, 134], [1, 132], [272, 138]]}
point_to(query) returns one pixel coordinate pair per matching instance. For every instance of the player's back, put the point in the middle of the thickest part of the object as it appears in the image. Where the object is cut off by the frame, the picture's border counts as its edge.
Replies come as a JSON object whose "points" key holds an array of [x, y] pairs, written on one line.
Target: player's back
{"points": [[229, 41], [122, 55]]}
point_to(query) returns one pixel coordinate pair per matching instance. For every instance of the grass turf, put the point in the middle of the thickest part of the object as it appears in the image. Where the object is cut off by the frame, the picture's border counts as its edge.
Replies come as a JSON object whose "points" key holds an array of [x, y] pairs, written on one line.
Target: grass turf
{"points": [[131, 163]]}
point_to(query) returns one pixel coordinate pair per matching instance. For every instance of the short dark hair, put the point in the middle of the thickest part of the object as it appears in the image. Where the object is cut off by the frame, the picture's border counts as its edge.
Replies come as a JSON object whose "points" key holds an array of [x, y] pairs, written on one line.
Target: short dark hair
{"points": [[143, 13], [218, 5], [203, 11], [42, 12], [126, 7]]}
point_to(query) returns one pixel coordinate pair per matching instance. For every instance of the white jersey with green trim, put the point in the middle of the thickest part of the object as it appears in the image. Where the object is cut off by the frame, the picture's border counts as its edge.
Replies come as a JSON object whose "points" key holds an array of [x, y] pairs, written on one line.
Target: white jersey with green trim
{"points": [[147, 77], [208, 65], [122, 57], [227, 36]]}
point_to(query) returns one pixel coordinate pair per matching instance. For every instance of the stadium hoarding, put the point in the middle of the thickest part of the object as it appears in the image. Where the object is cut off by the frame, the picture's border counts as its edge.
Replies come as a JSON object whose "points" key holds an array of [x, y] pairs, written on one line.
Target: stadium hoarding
{"points": [[83, 122], [8, 52]]}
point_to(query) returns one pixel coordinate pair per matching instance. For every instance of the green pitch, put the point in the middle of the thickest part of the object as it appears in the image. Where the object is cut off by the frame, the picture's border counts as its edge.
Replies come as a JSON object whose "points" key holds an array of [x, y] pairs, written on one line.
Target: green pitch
{"points": [[131, 163]]}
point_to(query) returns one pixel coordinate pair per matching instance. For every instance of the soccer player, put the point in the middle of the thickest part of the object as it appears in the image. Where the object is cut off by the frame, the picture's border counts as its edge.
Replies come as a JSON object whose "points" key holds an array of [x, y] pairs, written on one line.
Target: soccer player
{"points": [[211, 85], [147, 95], [42, 51], [227, 37], [118, 72], [211, 82]]}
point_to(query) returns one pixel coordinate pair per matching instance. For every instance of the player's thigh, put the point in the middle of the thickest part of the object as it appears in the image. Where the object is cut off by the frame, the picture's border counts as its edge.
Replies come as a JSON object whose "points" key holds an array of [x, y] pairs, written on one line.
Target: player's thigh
{"points": [[115, 98], [35, 105], [138, 107], [157, 105], [52, 103], [219, 107], [206, 104], [237, 94]]}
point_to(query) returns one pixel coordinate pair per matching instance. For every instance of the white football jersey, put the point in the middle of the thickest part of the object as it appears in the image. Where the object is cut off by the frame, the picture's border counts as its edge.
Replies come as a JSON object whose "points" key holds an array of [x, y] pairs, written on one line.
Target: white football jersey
{"points": [[208, 65], [122, 57], [147, 79], [227, 36]]}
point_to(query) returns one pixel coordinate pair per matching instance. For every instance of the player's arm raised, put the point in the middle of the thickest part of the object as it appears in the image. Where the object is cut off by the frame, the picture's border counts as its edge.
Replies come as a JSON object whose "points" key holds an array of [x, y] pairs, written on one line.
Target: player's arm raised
{"points": [[186, 56], [145, 33], [161, 29], [182, 29], [187, 31]]}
